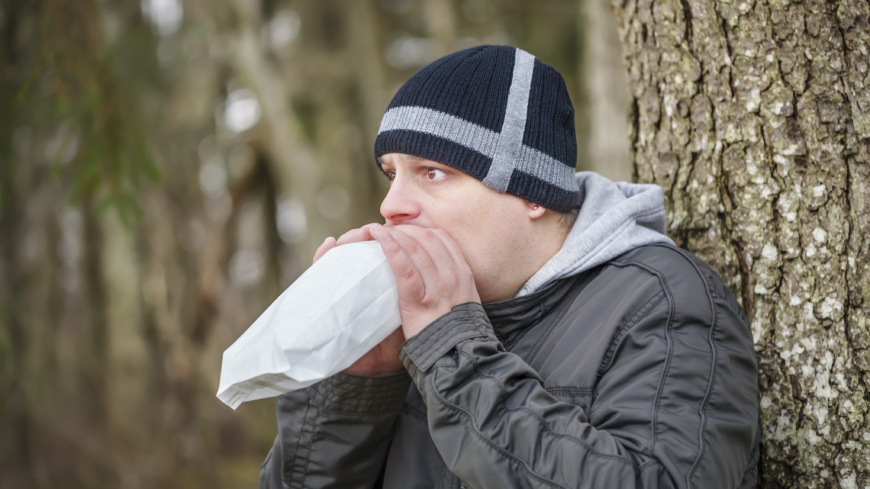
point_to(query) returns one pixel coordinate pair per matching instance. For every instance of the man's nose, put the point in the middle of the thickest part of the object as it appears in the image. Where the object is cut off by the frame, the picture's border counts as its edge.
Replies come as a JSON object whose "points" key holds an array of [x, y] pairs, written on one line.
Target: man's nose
{"points": [[400, 206]]}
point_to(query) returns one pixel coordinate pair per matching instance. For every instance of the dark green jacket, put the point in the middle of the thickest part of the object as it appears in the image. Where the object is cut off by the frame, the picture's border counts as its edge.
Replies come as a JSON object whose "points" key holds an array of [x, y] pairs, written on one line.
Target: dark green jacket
{"points": [[638, 373]]}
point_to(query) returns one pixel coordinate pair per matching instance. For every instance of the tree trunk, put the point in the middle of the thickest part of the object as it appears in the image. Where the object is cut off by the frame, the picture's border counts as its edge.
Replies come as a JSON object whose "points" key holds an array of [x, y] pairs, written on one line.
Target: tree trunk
{"points": [[754, 116]]}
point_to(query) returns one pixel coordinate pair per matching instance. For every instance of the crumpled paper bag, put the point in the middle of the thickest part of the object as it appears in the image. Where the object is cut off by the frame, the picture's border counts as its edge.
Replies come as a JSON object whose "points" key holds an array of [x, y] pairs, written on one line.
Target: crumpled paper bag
{"points": [[333, 314]]}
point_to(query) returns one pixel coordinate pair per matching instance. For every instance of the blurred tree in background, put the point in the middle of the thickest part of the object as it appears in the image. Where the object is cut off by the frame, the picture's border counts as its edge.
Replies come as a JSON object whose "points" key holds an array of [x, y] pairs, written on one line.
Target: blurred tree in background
{"points": [[167, 167]]}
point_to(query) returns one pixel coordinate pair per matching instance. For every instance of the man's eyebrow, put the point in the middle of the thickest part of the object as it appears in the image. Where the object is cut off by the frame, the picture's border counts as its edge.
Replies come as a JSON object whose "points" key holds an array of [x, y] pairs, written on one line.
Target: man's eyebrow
{"points": [[381, 167]]}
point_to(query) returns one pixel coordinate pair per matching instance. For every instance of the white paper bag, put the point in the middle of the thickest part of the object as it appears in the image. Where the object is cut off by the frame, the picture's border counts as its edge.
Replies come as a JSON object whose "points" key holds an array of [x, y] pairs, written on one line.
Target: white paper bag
{"points": [[333, 314]]}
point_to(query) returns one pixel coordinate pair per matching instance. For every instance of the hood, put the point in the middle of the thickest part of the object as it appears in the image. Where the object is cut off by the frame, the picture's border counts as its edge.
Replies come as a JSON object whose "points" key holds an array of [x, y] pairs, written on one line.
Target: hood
{"points": [[614, 218]]}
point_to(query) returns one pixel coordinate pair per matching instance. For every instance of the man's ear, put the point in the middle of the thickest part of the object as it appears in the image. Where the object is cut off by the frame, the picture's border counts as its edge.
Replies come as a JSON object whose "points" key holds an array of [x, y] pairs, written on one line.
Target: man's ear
{"points": [[535, 210]]}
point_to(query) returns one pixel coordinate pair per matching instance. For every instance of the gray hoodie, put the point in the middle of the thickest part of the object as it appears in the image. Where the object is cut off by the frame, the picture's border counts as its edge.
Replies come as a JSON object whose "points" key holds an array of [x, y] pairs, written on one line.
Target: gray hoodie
{"points": [[614, 218]]}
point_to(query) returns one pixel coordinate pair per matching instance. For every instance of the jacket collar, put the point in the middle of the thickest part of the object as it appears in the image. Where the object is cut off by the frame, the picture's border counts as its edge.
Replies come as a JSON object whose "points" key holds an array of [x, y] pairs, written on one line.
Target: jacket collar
{"points": [[511, 318]]}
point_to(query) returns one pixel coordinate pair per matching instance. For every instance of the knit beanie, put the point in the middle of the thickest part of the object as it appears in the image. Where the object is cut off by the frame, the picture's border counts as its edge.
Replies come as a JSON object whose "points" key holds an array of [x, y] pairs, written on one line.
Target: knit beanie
{"points": [[495, 113]]}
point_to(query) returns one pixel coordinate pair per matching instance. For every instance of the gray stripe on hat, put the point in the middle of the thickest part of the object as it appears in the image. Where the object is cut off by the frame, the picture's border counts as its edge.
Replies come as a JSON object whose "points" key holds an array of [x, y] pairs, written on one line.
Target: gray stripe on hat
{"points": [[511, 138], [480, 139], [544, 167], [442, 125]]}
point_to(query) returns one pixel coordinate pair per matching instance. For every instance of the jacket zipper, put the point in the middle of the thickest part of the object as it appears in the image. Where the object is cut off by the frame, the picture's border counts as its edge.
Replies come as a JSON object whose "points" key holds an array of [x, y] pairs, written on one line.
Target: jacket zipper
{"points": [[462, 485]]}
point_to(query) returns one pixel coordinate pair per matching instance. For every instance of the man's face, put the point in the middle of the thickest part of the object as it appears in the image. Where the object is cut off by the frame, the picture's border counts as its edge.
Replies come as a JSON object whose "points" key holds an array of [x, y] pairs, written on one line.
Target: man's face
{"points": [[491, 228]]}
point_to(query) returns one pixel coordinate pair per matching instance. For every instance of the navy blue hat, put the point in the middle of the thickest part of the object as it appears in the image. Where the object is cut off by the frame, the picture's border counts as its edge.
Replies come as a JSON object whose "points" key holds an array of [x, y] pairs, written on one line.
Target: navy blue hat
{"points": [[495, 113]]}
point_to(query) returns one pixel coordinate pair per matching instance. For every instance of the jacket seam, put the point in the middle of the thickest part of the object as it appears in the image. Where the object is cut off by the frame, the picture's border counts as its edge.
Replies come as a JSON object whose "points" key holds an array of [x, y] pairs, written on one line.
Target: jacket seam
{"points": [[560, 311], [476, 432], [443, 476], [434, 351], [670, 346], [711, 339], [412, 411], [571, 391], [544, 312], [714, 360], [378, 406], [298, 443], [533, 414], [714, 349], [464, 327], [288, 478], [641, 313], [704, 404], [558, 314], [574, 439], [308, 455], [432, 337], [538, 418], [703, 276]]}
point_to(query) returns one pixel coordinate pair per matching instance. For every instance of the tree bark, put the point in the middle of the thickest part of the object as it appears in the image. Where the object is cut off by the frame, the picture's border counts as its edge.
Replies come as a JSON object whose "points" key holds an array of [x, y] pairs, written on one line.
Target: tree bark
{"points": [[754, 116]]}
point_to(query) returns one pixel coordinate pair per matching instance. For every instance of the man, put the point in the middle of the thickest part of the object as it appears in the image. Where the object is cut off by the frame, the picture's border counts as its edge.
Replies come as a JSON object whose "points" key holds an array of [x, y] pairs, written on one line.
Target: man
{"points": [[602, 355]]}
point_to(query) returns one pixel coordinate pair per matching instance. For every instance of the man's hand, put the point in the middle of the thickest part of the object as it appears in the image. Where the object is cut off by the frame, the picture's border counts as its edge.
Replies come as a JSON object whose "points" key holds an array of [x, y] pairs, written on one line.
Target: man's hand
{"points": [[383, 359], [432, 275], [352, 236]]}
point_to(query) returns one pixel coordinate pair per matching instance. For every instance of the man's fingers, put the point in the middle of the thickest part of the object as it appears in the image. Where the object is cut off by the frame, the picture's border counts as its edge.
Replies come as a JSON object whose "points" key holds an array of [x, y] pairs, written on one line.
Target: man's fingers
{"points": [[328, 244], [352, 236], [356, 235], [452, 248], [429, 270], [407, 276], [429, 241], [465, 277]]}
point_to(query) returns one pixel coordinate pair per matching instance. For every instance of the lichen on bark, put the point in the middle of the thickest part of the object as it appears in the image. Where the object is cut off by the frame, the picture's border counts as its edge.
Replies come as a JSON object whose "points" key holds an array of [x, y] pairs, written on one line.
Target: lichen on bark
{"points": [[754, 117]]}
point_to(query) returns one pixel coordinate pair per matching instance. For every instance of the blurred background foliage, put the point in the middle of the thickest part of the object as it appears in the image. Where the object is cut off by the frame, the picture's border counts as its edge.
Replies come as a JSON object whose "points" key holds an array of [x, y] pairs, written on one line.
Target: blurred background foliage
{"points": [[167, 167]]}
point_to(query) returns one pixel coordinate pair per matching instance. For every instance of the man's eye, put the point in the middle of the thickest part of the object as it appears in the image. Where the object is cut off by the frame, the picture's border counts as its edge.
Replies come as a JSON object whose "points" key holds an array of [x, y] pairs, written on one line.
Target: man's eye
{"points": [[433, 174], [391, 175]]}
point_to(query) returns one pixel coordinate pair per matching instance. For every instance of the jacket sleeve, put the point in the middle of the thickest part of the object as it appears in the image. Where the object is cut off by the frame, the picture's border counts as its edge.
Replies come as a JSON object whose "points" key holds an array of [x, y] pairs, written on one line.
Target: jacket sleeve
{"points": [[496, 426], [336, 433]]}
